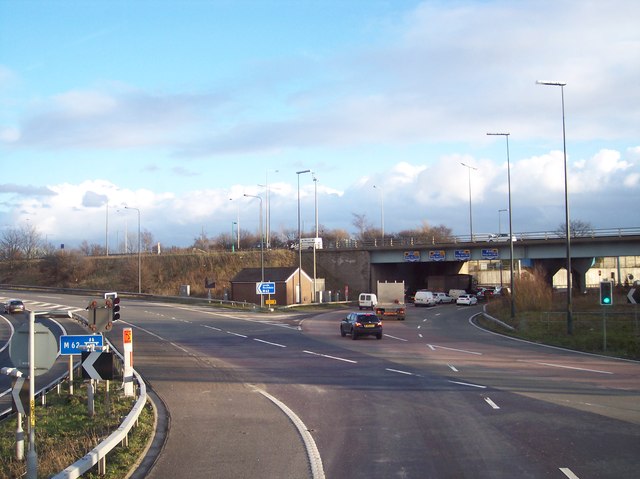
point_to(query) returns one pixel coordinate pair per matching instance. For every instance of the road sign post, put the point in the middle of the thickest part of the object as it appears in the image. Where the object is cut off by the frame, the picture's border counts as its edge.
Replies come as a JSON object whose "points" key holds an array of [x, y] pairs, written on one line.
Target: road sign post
{"points": [[127, 343]]}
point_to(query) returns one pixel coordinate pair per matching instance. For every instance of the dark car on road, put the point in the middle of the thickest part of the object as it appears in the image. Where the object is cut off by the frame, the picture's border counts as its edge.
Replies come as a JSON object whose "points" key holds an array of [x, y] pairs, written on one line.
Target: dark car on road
{"points": [[14, 306], [361, 324]]}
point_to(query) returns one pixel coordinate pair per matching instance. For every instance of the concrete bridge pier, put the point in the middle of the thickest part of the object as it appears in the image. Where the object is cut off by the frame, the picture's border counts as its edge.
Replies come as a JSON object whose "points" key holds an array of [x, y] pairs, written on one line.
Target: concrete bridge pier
{"points": [[579, 268]]}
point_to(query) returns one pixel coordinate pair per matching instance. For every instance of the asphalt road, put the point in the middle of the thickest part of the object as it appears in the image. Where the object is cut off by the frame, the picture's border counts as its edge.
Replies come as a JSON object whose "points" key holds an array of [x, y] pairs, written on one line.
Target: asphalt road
{"points": [[435, 398]]}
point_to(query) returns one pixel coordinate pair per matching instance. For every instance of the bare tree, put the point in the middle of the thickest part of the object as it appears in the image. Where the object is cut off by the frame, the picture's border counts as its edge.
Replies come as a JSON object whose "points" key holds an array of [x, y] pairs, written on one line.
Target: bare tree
{"points": [[578, 228], [362, 225]]}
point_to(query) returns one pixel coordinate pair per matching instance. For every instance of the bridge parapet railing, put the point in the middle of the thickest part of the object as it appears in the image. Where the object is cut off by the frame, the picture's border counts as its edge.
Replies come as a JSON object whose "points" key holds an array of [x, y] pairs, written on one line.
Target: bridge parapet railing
{"points": [[417, 241]]}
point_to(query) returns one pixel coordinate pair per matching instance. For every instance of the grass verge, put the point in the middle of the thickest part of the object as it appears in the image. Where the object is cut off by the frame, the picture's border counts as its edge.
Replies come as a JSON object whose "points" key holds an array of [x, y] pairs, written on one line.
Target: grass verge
{"points": [[65, 432]]}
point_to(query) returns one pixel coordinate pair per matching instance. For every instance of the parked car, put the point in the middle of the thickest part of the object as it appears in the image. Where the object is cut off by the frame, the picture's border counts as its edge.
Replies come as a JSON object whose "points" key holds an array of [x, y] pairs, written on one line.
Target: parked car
{"points": [[443, 298], [424, 297], [14, 306], [500, 290], [467, 299], [361, 324]]}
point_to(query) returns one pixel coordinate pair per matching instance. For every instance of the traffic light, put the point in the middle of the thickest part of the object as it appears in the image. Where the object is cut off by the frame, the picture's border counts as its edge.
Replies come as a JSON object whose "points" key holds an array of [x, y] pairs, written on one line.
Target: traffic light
{"points": [[115, 312], [606, 293]]}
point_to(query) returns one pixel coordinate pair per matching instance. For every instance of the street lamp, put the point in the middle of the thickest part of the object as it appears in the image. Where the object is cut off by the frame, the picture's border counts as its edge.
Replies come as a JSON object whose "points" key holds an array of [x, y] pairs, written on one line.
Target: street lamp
{"points": [[261, 246], [470, 214], [381, 210], [237, 226], [268, 207], [139, 268], [315, 240], [566, 206], [299, 240], [511, 282], [499, 235]]}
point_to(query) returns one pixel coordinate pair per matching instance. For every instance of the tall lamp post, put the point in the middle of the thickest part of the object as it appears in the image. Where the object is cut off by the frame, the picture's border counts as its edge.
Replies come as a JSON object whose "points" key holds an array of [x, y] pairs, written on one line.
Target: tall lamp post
{"points": [[470, 213], [315, 202], [500, 234], [268, 207], [237, 226], [566, 206], [511, 282], [139, 261], [299, 238], [381, 210], [261, 246]]}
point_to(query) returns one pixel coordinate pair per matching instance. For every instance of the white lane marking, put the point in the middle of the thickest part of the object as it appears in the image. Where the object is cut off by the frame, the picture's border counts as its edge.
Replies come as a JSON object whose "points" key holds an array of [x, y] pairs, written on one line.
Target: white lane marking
{"points": [[212, 327], [453, 368], [315, 461], [394, 337], [568, 367], [268, 342], [491, 403], [469, 384], [420, 335], [438, 314], [178, 346], [419, 326], [454, 349], [330, 357], [399, 371], [431, 347], [7, 344], [567, 472], [424, 320], [236, 334], [145, 330]]}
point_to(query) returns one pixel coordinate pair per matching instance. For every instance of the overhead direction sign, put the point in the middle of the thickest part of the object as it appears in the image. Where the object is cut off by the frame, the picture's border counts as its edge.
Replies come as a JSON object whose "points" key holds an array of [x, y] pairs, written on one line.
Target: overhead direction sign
{"points": [[266, 288], [437, 255], [97, 365], [462, 254], [412, 256], [75, 344], [490, 253]]}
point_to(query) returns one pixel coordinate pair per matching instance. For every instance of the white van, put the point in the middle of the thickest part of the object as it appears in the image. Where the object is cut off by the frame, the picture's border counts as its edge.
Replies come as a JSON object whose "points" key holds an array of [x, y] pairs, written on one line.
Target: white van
{"points": [[424, 298], [367, 301]]}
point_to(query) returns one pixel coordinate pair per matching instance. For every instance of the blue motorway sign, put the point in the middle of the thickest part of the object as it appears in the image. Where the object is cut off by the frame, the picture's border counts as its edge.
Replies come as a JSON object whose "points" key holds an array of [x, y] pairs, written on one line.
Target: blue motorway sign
{"points": [[266, 288], [412, 256], [75, 344], [463, 254], [490, 253], [437, 255]]}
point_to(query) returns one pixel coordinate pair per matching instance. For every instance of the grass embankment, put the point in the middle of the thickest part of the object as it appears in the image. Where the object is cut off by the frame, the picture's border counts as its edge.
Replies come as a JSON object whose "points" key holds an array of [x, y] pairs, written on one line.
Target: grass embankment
{"points": [[540, 316], [65, 433]]}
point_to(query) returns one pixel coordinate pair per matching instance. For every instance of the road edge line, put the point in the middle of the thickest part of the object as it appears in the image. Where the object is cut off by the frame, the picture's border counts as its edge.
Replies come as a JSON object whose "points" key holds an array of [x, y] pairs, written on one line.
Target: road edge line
{"points": [[315, 461]]}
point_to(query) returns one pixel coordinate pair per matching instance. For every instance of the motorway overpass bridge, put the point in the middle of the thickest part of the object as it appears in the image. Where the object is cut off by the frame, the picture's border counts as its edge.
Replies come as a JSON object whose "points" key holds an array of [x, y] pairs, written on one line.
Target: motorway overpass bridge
{"points": [[361, 264]]}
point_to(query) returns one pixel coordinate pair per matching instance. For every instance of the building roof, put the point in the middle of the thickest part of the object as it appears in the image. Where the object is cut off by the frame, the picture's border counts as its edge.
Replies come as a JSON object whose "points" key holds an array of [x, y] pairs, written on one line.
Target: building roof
{"points": [[276, 275]]}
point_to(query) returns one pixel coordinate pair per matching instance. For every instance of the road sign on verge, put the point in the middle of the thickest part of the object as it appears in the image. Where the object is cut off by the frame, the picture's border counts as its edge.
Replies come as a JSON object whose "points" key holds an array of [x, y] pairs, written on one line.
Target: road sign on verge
{"points": [[45, 349], [75, 344], [17, 392], [266, 288], [97, 365], [634, 296]]}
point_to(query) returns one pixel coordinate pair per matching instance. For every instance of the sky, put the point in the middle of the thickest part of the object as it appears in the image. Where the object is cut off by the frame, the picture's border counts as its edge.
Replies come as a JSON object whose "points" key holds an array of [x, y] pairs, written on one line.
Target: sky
{"points": [[177, 109]]}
